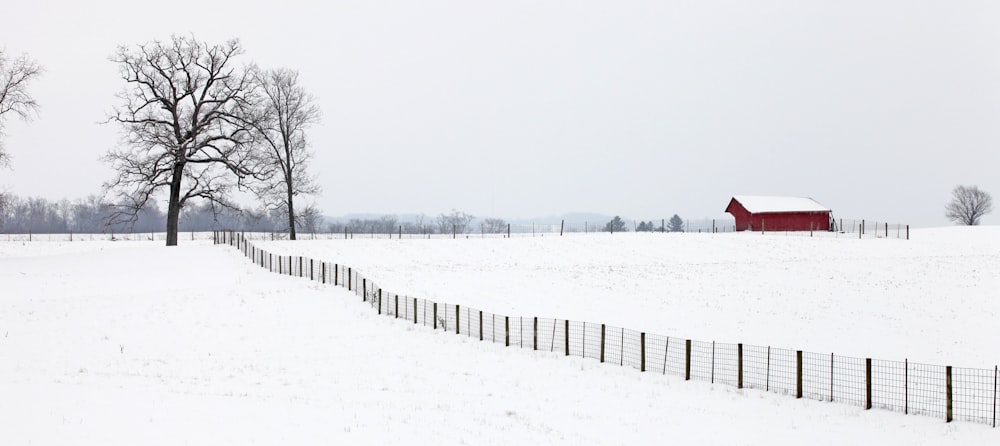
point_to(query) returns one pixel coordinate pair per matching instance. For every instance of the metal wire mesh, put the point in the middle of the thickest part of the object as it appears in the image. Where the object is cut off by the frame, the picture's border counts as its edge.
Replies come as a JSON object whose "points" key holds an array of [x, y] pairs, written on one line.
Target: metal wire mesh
{"points": [[817, 376], [849, 380], [927, 390], [973, 394], [889, 385]]}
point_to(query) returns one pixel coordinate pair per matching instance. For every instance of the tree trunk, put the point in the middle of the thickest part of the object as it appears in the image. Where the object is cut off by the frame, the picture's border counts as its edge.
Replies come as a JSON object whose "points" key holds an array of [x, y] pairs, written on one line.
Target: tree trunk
{"points": [[291, 208], [174, 205]]}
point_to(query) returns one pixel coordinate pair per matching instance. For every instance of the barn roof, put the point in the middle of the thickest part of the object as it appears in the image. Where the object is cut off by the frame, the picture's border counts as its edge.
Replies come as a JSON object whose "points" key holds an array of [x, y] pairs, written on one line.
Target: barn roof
{"points": [[763, 204]]}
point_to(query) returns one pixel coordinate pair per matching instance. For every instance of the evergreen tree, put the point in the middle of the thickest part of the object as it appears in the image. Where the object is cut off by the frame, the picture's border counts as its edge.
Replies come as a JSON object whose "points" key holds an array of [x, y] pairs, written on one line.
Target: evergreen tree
{"points": [[676, 224]]}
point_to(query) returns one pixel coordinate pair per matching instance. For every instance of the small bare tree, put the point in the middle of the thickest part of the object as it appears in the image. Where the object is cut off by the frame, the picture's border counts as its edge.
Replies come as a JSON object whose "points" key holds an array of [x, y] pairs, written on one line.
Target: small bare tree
{"points": [[456, 221], [968, 205], [187, 117], [494, 225], [15, 75], [287, 111]]}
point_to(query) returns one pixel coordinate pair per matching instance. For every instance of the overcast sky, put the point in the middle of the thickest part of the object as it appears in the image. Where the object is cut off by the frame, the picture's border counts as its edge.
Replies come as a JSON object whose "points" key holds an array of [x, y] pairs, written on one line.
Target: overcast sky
{"points": [[534, 108]]}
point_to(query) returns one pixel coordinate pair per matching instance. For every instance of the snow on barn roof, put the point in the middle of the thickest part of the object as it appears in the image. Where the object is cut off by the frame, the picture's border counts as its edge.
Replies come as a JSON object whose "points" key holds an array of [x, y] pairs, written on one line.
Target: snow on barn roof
{"points": [[761, 204]]}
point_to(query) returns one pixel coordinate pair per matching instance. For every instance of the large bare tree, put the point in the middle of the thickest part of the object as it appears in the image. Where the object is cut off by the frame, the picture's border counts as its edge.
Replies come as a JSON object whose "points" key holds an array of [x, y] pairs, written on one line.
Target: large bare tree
{"points": [[15, 75], [288, 110], [968, 204], [187, 114]]}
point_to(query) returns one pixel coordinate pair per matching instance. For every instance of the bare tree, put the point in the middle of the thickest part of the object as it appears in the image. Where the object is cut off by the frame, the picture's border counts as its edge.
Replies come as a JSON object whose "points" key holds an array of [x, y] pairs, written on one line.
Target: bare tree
{"points": [[968, 205], [455, 221], [287, 111], [15, 75], [186, 115], [494, 225]]}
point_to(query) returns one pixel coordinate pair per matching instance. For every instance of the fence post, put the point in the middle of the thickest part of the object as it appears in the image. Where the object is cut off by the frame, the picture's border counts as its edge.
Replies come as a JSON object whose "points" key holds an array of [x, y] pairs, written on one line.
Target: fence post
{"points": [[566, 336], [414, 310], [506, 331], [534, 343], [739, 366], [349, 276], [300, 267], [831, 377], [907, 232], [947, 392], [396, 307], [457, 321], [906, 386], [364, 290], [480, 325], [508, 230], [312, 269], [322, 267], [380, 301], [995, 368], [767, 374], [868, 383], [687, 360], [713, 361], [798, 373], [435, 315], [642, 352], [602, 342]]}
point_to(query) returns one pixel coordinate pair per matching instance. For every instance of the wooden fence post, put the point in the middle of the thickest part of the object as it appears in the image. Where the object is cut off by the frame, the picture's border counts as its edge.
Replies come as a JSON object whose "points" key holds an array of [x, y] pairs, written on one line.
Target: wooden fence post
{"points": [[396, 307], [480, 325], [798, 373], [567, 336], [349, 278], [506, 331], [995, 369], [508, 230], [687, 360], [435, 315], [602, 342], [414, 310], [868, 383], [312, 269], [562, 224], [379, 301], [947, 392], [322, 267], [739, 366], [457, 324], [364, 290], [642, 352], [907, 232], [534, 344]]}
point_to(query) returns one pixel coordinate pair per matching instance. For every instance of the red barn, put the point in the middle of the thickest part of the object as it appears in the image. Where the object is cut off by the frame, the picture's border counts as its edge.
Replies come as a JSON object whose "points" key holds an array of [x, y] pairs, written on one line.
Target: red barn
{"points": [[778, 214]]}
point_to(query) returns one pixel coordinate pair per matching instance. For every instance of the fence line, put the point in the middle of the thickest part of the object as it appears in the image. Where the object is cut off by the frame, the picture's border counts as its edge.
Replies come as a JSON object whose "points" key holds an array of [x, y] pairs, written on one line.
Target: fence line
{"points": [[963, 394], [856, 228]]}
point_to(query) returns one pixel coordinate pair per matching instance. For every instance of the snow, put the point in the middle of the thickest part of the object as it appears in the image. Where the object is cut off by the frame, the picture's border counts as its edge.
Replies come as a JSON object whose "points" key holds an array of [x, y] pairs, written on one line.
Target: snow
{"points": [[765, 204], [133, 343]]}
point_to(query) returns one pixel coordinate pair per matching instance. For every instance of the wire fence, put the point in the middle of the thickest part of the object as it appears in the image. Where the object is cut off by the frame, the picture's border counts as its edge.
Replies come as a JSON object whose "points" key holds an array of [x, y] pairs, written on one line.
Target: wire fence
{"points": [[963, 394], [851, 228]]}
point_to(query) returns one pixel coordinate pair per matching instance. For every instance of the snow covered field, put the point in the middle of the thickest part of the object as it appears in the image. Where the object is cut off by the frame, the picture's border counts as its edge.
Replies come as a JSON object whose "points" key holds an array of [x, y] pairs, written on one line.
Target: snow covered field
{"points": [[133, 343], [931, 299]]}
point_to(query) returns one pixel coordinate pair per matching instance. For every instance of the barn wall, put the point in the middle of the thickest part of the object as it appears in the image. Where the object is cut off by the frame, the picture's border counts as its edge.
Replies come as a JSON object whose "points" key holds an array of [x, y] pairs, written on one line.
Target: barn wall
{"points": [[791, 221], [742, 216]]}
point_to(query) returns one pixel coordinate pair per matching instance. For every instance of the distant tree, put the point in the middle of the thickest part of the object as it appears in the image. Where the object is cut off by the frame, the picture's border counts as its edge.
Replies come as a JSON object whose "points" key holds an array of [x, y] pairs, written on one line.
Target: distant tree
{"points": [[286, 110], [185, 115], [15, 75], [676, 224], [456, 221], [615, 225], [968, 205], [494, 225], [647, 226]]}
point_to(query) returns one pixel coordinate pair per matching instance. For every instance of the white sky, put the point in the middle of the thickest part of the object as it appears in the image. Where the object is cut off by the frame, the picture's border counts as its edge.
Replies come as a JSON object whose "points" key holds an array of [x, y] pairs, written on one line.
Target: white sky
{"points": [[533, 108]]}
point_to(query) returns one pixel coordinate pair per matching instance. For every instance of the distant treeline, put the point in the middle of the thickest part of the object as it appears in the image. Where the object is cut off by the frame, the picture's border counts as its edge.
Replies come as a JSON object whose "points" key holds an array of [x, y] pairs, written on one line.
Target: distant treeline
{"points": [[91, 215]]}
